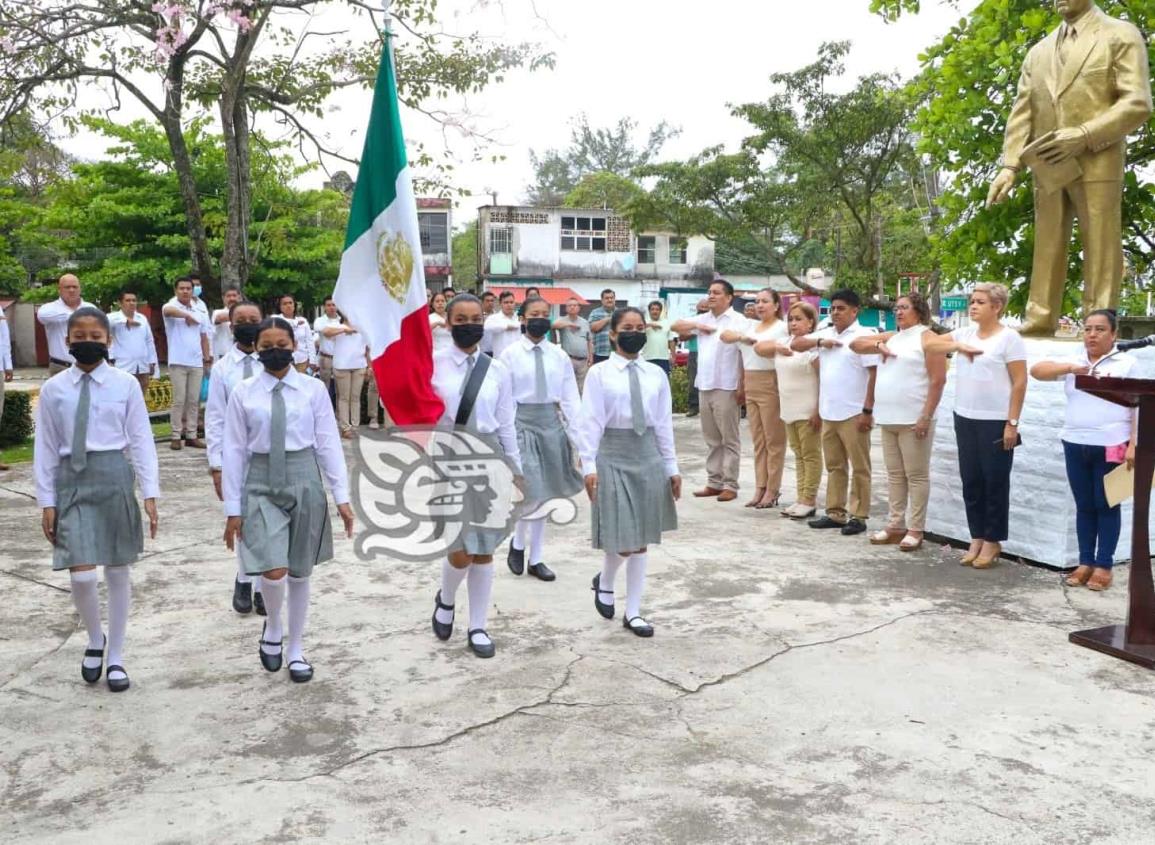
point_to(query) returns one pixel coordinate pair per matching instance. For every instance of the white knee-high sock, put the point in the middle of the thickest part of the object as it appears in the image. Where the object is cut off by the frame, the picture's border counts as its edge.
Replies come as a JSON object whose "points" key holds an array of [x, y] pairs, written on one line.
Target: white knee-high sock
{"points": [[480, 590], [519, 534], [536, 540], [242, 576], [274, 592], [610, 569], [298, 616], [87, 601], [119, 586], [635, 584], [451, 578]]}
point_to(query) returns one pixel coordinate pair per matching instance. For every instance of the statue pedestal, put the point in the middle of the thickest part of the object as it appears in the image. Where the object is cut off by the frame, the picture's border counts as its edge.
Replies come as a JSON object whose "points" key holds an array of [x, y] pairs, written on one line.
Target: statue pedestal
{"points": [[1042, 518]]}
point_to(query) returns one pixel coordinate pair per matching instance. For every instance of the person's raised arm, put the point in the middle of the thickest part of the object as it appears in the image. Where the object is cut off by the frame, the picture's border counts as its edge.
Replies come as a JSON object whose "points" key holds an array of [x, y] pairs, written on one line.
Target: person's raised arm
{"points": [[1045, 371], [869, 344], [684, 327], [598, 325]]}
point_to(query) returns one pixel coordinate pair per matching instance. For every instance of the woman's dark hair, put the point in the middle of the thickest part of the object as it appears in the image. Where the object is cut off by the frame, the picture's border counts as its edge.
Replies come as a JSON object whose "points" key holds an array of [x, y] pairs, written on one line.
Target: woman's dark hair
{"points": [[622, 312], [460, 299], [920, 305], [436, 294], [93, 312], [276, 323], [777, 297], [1109, 313], [528, 302], [241, 302]]}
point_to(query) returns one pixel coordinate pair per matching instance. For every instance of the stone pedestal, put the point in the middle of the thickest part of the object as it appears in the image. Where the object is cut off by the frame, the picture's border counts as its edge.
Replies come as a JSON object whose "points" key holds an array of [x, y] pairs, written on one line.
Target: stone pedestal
{"points": [[1042, 518]]}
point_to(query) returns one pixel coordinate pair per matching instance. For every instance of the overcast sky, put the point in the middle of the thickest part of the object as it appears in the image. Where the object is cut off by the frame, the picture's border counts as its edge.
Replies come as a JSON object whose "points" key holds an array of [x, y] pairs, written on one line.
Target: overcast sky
{"points": [[673, 61]]}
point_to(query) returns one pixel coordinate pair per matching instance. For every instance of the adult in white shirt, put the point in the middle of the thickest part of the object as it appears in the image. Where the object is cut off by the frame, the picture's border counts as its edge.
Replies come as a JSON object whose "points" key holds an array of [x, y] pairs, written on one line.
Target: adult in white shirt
{"points": [[305, 352], [631, 470], [133, 348], [437, 323], [502, 329], [1097, 436], [54, 317], [280, 438], [763, 405], [846, 404], [5, 363], [222, 330], [492, 416], [327, 327], [990, 388], [719, 384], [187, 331], [350, 363], [906, 396], [543, 384], [88, 419]]}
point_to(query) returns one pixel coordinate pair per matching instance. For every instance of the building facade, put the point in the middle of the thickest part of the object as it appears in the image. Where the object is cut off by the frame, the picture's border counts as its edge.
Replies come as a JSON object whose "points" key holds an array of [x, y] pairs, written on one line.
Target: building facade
{"points": [[435, 223]]}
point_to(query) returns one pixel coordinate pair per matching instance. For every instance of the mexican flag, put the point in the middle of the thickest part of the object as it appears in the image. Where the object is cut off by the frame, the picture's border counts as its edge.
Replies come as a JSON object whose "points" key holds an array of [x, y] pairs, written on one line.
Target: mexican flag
{"points": [[381, 286]]}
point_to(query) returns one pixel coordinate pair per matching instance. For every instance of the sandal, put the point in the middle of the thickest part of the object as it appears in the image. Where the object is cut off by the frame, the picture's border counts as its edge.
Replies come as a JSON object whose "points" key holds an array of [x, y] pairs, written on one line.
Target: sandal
{"points": [[1079, 577], [988, 562], [1100, 580], [972, 554], [886, 537], [910, 543], [758, 493], [768, 503]]}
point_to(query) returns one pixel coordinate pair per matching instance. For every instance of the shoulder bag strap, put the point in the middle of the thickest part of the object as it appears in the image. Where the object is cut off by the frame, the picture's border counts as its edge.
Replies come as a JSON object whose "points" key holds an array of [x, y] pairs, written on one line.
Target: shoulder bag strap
{"points": [[472, 388]]}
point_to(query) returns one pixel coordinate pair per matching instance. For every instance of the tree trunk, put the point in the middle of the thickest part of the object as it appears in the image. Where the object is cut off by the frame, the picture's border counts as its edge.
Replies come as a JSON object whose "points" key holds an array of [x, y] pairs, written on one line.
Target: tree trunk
{"points": [[233, 263], [194, 216]]}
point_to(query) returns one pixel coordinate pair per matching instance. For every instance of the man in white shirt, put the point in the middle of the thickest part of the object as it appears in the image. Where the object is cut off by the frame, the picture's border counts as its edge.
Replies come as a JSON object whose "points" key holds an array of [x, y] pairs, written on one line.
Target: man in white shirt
{"points": [[222, 328], [305, 353], [5, 362], [502, 329], [188, 331], [719, 384], [846, 405], [133, 349], [327, 327], [54, 317]]}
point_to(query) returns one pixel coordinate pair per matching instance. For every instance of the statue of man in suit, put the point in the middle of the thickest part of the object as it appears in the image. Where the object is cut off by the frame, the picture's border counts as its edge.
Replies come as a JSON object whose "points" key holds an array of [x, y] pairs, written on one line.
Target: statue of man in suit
{"points": [[1083, 88]]}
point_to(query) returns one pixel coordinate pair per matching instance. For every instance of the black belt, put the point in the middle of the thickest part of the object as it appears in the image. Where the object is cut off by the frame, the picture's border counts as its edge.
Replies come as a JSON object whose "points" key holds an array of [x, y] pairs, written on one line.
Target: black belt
{"points": [[578, 357], [52, 360]]}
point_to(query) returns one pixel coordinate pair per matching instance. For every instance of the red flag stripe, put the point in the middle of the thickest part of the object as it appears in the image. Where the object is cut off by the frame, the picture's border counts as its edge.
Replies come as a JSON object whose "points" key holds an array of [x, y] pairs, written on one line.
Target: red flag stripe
{"points": [[404, 373]]}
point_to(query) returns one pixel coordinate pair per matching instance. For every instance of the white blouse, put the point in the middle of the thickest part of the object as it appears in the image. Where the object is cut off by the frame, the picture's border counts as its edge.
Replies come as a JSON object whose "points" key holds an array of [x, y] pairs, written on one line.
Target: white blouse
{"points": [[442, 337], [983, 386], [606, 404], [1090, 420], [903, 383], [560, 383], [751, 360], [309, 424], [306, 351], [132, 348], [798, 385], [493, 411], [117, 420], [228, 372]]}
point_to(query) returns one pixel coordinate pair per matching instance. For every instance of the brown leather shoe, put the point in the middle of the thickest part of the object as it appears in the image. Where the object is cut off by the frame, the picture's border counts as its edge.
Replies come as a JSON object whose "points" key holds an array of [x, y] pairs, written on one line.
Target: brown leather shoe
{"points": [[3, 467], [195, 443], [707, 492], [175, 445], [727, 496]]}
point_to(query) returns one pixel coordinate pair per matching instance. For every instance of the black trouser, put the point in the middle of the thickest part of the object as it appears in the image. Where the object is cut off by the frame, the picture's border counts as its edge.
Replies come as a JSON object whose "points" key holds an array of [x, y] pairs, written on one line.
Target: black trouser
{"points": [[664, 363], [692, 374], [985, 468]]}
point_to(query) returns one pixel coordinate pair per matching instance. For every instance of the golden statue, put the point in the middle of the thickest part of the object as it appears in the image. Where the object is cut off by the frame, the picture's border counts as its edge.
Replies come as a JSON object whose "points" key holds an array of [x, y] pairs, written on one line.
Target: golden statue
{"points": [[1083, 88]]}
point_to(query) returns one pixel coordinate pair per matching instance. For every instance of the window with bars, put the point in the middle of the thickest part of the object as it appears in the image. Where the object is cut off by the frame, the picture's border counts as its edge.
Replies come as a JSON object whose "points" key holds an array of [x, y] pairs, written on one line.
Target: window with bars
{"points": [[678, 250], [647, 249], [500, 241], [583, 234], [434, 230]]}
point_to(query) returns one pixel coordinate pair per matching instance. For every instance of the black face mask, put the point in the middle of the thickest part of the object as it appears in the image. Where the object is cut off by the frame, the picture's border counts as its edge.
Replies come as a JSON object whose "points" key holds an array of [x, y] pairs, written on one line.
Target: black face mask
{"points": [[537, 326], [88, 351], [275, 359], [631, 342], [246, 333], [466, 335]]}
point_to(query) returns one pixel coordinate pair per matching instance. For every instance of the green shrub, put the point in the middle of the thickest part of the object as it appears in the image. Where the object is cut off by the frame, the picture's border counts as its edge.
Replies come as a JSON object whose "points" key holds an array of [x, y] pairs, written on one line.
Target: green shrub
{"points": [[16, 423], [679, 387]]}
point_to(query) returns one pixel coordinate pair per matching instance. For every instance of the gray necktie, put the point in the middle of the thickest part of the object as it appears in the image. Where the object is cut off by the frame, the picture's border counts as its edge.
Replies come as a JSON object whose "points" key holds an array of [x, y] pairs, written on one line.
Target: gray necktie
{"points": [[468, 372], [539, 389], [637, 412], [277, 475], [79, 457], [248, 367]]}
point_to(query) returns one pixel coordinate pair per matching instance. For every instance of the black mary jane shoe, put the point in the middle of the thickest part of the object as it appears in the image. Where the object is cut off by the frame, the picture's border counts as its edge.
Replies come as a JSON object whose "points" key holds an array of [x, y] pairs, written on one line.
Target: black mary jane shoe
{"points": [[515, 560], [242, 597], [301, 675], [606, 610], [117, 684], [443, 630], [271, 662], [259, 604], [482, 650], [93, 675], [542, 572], [642, 629]]}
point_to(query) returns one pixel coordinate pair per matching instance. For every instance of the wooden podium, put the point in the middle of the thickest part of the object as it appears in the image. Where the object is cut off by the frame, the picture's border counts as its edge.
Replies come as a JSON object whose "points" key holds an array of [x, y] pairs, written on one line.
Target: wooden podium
{"points": [[1134, 641]]}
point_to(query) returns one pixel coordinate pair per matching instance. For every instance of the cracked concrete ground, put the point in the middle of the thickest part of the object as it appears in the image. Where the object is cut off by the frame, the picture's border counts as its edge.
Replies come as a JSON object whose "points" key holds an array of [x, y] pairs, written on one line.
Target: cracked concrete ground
{"points": [[800, 688]]}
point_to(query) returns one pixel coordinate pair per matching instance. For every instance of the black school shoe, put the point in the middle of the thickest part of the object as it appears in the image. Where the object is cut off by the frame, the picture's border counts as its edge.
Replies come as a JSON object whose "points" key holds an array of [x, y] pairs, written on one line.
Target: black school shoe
{"points": [[93, 675], [442, 630], [259, 604], [242, 597], [606, 610], [642, 628], [854, 526], [482, 649], [515, 560], [271, 662], [825, 522], [300, 672], [117, 684], [542, 572]]}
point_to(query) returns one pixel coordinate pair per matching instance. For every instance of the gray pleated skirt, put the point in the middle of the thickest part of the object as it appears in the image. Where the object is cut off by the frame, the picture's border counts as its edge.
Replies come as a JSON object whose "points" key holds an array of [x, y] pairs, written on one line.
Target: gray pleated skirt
{"points": [[97, 515], [287, 526], [546, 455], [634, 503]]}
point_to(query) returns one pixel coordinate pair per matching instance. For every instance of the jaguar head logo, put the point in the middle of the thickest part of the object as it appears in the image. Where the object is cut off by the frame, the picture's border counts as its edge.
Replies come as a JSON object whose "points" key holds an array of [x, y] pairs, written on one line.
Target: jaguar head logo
{"points": [[394, 264]]}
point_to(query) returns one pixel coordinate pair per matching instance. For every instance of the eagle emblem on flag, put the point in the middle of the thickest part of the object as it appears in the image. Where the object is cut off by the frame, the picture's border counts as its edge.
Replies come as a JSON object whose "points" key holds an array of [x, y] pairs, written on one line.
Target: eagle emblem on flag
{"points": [[394, 264]]}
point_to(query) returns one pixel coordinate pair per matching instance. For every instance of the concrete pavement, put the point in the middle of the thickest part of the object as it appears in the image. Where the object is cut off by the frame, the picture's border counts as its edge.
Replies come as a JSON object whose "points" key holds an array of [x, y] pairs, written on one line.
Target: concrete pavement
{"points": [[800, 688]]}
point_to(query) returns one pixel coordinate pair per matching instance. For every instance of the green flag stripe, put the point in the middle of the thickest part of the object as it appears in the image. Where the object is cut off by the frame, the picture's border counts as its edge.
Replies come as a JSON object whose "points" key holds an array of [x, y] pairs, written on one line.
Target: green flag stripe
{"points": [[383, 156]]}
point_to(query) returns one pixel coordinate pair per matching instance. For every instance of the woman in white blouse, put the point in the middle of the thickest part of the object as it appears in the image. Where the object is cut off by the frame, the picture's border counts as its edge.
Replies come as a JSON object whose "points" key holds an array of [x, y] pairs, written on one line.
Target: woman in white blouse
{"points": [[763, 406], [1097, 436], [350, 366], [631, 470], [88, 417], [280, 436], [906, 396], [438, 323]]}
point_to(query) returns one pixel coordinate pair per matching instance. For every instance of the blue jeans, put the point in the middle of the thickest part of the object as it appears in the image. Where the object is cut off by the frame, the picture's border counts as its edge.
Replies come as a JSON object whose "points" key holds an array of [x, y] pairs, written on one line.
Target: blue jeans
{"points": [[1094, 519]]}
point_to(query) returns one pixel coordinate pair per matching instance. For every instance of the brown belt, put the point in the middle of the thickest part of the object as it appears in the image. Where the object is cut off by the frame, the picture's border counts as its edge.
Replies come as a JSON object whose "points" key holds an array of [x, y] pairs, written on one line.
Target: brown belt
{"points": [[326, 355]]}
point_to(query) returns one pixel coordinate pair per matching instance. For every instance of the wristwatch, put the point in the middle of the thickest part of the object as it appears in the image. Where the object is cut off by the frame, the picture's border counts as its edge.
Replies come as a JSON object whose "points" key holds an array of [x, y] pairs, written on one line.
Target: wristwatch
{"points": [[868, 411], [1013, 423]]}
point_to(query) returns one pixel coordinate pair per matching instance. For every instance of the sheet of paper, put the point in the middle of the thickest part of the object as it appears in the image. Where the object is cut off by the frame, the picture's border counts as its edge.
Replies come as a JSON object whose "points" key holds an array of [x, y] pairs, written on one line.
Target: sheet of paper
{"points": [[1051, 177], [1119, 484]]}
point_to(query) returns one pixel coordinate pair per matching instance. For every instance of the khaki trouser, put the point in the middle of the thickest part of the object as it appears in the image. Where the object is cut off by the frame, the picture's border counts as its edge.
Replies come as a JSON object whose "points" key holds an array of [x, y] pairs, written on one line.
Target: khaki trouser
{"points": [[908, 475], [326, 369], [766, 428], [580, 368], [349, 384], [186, 399], [842, 445], [806, 443], [720, 416]]}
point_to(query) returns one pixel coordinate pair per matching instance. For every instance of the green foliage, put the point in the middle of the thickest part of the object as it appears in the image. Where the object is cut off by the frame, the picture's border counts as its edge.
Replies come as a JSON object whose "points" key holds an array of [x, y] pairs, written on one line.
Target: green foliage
{"points": [[464, 251], [16, 422], [680, 389], [604, 190]]}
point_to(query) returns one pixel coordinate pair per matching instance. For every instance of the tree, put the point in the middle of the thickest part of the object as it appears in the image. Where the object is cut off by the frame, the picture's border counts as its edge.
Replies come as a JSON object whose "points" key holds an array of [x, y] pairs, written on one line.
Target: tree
{"points": [[965, 91], [604, 190], [243, 58], [465, 256], [593, 150]]}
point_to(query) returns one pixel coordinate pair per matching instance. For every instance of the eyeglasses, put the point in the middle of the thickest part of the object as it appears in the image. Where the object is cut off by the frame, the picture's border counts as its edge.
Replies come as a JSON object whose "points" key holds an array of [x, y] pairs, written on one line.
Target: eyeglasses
{"points": [[902, 308]]}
